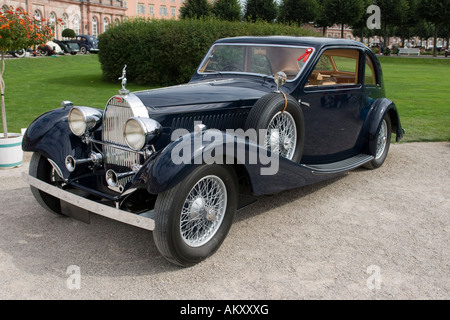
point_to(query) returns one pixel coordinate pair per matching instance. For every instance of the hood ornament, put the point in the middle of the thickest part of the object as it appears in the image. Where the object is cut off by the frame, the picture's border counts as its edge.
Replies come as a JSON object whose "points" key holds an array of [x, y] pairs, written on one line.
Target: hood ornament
{"points": [[124, 91]]}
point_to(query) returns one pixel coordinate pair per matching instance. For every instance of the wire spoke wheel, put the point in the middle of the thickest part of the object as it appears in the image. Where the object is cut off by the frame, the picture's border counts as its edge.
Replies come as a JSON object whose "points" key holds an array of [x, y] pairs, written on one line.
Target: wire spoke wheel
{"points": [[281, 135], [203, 211], [382, 140]]}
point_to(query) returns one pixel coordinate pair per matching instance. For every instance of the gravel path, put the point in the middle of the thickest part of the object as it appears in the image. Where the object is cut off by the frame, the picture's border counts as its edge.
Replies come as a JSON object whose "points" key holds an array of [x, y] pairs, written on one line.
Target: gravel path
{"points": [[381, 234]]}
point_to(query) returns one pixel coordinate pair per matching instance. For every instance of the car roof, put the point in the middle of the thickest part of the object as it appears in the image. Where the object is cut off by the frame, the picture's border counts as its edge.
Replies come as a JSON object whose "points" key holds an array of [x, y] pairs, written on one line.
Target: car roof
{"points": [[315, 42]]}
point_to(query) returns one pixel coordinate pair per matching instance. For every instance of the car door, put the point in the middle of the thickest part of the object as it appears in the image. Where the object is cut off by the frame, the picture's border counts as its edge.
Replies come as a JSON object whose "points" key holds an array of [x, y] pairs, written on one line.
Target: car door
{"points": [[333, 100]]}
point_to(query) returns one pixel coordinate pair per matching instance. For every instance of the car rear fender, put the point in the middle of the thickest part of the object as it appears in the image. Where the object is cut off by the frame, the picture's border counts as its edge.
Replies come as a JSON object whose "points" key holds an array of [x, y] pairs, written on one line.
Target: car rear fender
{"points": [[378, 111]]}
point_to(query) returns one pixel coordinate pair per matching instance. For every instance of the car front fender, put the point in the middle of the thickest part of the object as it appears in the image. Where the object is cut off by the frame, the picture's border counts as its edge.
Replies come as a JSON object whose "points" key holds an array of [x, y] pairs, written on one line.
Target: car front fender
{"points": [[266, 172], [50, 135]]}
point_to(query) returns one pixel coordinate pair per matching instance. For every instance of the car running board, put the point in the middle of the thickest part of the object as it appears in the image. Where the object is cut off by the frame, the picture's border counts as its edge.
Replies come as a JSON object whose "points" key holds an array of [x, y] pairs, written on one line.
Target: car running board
{"points": [[340, 166]]}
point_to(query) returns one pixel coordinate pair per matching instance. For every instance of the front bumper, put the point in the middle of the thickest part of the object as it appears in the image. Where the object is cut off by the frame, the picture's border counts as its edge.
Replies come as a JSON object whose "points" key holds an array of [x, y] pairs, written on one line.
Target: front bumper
{"points": [[144, 220]]}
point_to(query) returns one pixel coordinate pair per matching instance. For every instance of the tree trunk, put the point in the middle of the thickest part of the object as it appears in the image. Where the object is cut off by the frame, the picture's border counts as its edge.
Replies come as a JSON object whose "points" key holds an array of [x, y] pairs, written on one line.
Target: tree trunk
{"points": [[435, 41], [342, 31], [2, 89]]}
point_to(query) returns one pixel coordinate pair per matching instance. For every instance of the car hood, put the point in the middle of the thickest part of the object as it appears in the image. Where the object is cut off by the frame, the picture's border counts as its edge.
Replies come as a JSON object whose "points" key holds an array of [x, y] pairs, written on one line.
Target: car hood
{"points": [[223, 91]]}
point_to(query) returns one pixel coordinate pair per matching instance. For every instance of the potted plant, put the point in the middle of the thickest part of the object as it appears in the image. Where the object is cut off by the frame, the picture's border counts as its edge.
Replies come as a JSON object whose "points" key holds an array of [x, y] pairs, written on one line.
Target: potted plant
{"points": [[18, 30]]}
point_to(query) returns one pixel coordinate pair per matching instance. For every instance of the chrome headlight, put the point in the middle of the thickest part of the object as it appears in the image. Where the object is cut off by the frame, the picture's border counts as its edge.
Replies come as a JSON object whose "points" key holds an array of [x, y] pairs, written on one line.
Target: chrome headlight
{"points": [[138, 132], [83, 119]]}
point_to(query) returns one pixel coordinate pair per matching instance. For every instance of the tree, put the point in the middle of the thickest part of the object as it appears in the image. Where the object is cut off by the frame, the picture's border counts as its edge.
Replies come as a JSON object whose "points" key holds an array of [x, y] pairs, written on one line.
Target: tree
{"points": [[68, 33], [18, 30], [344, 12], [298, 11], [436, 12], [195, 9], [393, 13], [227, 10], [265, 10]]}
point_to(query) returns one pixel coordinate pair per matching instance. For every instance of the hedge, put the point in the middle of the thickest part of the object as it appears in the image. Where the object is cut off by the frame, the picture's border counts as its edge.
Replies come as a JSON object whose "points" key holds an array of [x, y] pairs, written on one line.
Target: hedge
{"points": [[167, 52]]}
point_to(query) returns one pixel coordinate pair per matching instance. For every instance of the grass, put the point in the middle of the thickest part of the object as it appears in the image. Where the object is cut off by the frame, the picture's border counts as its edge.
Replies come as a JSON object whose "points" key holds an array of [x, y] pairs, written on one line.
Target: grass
{"points": [[419, 87], [34, 86]]}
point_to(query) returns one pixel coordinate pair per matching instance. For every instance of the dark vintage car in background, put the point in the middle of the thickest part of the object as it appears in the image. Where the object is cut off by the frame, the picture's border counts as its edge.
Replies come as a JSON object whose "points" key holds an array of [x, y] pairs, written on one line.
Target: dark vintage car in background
{"points": [[67, 46], [86, 43], [314, 107]]}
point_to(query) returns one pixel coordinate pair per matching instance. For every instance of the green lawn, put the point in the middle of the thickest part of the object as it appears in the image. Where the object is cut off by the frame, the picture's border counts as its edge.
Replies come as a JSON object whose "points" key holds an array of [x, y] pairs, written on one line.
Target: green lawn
{"points": [[36, 85], [421, 90], [419, 87]]}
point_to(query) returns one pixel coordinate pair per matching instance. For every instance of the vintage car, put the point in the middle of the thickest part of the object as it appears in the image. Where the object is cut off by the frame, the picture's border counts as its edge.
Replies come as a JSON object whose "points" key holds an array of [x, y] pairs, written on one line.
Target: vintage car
{"points": [[86, 43], [259, 116]]}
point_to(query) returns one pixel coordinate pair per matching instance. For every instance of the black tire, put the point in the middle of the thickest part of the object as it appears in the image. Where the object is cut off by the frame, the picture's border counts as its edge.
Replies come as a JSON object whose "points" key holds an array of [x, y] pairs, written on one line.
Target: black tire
{"points": [[83, 50], [383, 142], [186, 202], [20, 53], [273, 105], [41, 169]]}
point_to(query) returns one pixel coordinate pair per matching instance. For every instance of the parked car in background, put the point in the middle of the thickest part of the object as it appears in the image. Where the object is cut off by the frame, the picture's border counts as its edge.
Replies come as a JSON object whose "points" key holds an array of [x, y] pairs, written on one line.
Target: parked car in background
{"points": [[86, 43], [67, 46], [18, 53], [259, 116]]}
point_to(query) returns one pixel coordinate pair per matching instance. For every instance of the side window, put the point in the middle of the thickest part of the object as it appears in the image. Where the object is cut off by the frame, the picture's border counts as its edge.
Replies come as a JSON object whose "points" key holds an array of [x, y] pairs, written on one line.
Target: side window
{"points": [[335, 67], [370, 77]]}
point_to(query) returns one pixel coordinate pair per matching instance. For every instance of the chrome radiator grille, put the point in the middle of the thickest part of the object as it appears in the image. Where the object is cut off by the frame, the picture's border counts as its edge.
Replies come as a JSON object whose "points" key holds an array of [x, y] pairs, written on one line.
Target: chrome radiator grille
{"points": [[114, 118]]}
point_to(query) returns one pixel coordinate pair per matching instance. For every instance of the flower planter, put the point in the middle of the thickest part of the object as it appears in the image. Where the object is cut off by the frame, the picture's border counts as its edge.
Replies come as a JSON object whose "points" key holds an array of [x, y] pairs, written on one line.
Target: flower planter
{"points": [[11, 154]]}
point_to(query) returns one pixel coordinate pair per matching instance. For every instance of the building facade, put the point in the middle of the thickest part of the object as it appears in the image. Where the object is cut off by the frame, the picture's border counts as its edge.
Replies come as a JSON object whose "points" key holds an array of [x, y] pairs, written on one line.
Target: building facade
{"points": [[83, 16], [153, 9]]}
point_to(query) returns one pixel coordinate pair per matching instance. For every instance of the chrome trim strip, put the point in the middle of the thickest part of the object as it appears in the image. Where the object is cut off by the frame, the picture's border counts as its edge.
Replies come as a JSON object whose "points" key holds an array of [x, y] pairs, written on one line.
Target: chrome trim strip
{"points": [[115, 146], [141, 221]]}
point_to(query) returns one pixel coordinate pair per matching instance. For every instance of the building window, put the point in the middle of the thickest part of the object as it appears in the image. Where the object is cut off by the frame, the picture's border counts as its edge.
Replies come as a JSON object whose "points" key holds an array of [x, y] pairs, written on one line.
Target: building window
{"points": [[52, 22], [105, 24], [37, 15], [76, 24], [173, 12], [163, 11], [141, 8], [116, 22], [151, 9], [65, 21], [94, 27]]}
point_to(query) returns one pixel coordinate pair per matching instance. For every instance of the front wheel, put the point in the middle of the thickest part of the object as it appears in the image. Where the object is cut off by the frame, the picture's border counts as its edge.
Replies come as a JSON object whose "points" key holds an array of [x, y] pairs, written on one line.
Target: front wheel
{"points": [[41, 169], [193, 218]]}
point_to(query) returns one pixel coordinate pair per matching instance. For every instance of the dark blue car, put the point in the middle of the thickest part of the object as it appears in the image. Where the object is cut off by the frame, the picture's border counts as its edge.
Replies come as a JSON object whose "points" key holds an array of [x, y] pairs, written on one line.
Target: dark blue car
{"points": [[259, 116], [86, 43]]}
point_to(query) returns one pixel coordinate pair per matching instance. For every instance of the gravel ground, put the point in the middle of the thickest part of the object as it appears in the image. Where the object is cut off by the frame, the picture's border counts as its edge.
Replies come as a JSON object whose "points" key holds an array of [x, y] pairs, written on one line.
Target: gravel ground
{"points": [[381, 234]]}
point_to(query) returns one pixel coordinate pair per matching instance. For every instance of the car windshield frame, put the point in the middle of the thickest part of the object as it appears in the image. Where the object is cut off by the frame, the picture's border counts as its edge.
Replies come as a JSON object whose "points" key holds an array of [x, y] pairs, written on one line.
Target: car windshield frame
{"points": [[301, 58]]}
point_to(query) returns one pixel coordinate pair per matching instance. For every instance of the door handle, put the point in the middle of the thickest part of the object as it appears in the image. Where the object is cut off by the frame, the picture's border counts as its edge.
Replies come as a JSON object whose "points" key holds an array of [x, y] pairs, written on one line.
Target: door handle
{"points": [[305, 104]]}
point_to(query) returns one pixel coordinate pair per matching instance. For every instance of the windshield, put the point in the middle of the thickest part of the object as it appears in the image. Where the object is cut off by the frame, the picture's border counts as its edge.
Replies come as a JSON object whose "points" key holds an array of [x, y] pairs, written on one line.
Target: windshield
{"points": [[255, 59]]}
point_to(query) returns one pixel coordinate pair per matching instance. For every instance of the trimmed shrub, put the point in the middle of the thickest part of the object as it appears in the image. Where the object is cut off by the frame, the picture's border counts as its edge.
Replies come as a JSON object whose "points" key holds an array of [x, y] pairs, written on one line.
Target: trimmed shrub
{"points": [[167, 52], [68, 33]]}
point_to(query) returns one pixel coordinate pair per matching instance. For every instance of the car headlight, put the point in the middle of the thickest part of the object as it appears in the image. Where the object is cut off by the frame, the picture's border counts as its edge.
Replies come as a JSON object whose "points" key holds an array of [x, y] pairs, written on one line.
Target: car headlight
{"points": [[83, 119], [138, 132]]}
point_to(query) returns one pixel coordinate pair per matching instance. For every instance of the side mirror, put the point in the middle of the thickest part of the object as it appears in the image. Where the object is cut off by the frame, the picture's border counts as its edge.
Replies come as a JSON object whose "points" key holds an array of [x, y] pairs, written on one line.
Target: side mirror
{"points": [[280, 79]]}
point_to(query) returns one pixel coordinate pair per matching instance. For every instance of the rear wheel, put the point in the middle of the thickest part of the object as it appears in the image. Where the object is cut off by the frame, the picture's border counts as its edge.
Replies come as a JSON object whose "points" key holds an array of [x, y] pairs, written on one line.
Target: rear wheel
{"points": [[193, 218], [383, 143]]}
